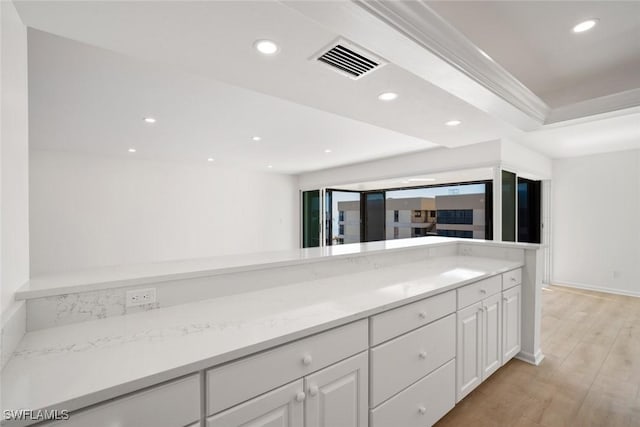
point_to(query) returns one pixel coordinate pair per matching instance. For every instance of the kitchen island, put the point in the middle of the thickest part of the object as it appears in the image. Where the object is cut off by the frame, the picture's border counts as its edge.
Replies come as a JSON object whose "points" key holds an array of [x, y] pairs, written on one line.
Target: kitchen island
{"points": [[339, 317]]}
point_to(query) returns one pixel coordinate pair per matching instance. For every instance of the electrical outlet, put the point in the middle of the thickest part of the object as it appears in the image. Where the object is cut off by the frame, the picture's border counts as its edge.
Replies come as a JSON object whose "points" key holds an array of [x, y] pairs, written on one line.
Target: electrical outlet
{"points": [[141, 296]]}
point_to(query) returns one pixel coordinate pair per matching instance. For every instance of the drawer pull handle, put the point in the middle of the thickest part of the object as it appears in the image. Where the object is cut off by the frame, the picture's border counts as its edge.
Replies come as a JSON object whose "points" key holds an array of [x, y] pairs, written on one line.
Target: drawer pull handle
{"points": [[422, 410], [483, 291], [300, 396], [513, 279], [422, 354], [307, 359], [505, 299], [313, 390], [423, 314]]}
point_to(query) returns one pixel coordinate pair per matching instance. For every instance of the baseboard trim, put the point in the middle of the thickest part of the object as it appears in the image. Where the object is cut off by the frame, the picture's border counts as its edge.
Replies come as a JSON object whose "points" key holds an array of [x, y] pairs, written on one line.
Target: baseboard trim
{"points": [[533, 359], [596, 288]]}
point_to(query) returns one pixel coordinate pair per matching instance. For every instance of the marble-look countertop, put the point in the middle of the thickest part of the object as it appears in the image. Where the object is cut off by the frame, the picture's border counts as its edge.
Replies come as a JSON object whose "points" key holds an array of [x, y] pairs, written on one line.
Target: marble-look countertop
{"points": [[140, 274], [73, 366]]}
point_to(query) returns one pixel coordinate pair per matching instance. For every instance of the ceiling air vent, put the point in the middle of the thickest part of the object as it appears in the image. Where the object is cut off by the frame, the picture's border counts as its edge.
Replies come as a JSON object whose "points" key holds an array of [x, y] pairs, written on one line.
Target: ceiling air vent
{"points": [[348, 59]]}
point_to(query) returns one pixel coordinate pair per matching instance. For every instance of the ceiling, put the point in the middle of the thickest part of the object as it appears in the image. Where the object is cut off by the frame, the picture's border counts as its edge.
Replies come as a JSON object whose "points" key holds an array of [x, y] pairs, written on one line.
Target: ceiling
{"points": [[91, 100], [98, 67], [534, 41], [212, 42]]}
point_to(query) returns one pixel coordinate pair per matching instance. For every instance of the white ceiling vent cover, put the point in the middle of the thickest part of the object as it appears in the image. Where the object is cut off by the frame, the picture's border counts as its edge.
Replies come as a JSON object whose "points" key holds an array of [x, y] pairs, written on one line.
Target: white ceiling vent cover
{"points": [[348, 59]]}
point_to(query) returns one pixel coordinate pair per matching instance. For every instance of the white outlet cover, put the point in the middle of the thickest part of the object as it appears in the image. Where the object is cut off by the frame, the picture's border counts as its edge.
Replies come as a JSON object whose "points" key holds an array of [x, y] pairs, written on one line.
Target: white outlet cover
{"points": [[141, 297]]}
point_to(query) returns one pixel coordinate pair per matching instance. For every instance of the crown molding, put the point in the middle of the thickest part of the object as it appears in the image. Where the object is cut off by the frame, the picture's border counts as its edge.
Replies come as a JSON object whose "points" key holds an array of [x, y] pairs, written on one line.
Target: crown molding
{"points": [[611, 105], [417, 21]]}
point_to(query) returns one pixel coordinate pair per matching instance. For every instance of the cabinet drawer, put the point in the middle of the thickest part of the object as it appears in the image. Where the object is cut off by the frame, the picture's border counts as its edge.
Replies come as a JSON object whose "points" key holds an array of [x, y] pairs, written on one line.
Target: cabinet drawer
{"points": [[281, 407], [422, 404], [396, 322], [475, 292], [511, 278], [239, 381], [402, 361], [172, 404]]}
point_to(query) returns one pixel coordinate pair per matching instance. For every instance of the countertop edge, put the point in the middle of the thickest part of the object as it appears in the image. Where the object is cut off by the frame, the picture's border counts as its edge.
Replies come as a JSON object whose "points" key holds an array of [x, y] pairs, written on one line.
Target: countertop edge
{"points": [[25, 293]]}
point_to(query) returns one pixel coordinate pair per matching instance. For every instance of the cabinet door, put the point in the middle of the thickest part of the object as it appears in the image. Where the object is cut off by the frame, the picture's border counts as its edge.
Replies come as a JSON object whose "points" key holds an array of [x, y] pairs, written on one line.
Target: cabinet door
{"points": [[337, 395], [492, 335], [511, 322], [469, 351], [282, 407]]}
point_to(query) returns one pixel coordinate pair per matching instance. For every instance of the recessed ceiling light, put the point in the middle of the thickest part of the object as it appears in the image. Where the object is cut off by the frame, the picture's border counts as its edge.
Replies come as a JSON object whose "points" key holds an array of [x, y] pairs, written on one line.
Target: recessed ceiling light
{"points": [[453, 123], [149, 120], [266, 47], [270, 166], [585, 25], [132, 150], [387, 96], [256, 138], [328, 150], [210, 159]]}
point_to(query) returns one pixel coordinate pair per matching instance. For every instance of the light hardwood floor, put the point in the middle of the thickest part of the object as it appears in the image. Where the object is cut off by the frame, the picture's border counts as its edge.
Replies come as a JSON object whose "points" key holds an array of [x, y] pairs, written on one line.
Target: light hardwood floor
{"points": [[590, 375]]}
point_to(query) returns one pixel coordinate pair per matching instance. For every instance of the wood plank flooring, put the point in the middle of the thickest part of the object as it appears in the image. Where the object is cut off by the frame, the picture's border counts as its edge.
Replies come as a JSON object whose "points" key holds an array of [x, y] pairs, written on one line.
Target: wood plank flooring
{"points": [[590, 376]]}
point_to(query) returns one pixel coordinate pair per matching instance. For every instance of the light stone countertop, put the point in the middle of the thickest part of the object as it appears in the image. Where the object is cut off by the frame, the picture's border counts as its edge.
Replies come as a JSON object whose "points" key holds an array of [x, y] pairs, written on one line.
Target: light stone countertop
{"points": [[73, 366], [140, 274]]}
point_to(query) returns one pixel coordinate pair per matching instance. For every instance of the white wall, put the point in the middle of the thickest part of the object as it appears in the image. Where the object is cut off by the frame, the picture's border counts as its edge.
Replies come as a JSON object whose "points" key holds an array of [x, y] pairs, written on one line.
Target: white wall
{"points": [[526, 162], [89, 211], [596, 214], [14, 166]]}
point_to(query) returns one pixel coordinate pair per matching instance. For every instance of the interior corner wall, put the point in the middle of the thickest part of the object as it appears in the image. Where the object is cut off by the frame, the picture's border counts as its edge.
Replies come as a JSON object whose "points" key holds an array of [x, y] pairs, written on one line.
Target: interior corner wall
{"points": [[525, 162], [595, 209], [14, 155], [89, 211], [485, 154]]}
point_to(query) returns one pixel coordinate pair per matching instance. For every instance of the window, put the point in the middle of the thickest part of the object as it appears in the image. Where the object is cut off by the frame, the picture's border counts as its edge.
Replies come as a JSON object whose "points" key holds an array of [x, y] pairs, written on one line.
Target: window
{"points": [[341, 216], [432, 214], [417, 214], [396, 216], [455, 216], [466, 234], [341, 229]]}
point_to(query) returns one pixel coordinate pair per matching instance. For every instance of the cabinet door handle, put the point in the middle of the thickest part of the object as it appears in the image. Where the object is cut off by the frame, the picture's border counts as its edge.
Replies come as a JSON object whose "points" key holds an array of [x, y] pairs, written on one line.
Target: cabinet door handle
{"points": [[313, 390], [483, 291], [422, 314], [513, 279], [307, 359], [422, 354], [300, 396], [505, 299], [422, 410]]}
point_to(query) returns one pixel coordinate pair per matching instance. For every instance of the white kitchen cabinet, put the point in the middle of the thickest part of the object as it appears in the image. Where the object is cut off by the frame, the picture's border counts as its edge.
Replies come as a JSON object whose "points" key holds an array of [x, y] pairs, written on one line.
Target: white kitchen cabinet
{"points": [[334, 396], [511, 322], [241, 380], [337, 395], [175, 403], [422, 403], [402, 361], [282, 407], [469, 350], [492, 335], [479, 351]]}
